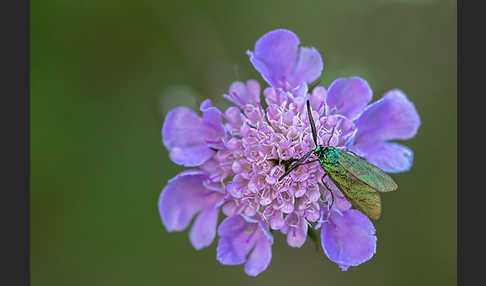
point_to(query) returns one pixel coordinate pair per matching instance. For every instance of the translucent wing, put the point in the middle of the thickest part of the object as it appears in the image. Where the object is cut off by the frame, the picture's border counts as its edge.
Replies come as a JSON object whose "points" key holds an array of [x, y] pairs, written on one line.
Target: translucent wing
{"points": [[360, 195], [366, 172]]}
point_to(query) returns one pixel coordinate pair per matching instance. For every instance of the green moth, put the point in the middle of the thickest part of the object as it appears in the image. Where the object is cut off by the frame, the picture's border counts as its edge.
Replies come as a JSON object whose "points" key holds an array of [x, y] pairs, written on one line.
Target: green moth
{"points": [[359, 180]]}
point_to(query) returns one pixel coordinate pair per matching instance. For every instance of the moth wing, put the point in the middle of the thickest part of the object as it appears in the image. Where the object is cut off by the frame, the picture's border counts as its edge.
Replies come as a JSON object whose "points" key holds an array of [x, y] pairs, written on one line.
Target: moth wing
{"points": [[360, 195], [366, 172]]}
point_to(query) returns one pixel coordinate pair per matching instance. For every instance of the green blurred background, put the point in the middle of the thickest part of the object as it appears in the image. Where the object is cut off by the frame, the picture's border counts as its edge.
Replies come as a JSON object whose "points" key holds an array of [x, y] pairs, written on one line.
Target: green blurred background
{"points": [[104, 74]]}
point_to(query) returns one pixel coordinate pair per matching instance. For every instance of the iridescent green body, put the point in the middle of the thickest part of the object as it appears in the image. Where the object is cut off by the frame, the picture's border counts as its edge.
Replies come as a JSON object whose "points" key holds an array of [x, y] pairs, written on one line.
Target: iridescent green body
{"points": [[358, 180]]}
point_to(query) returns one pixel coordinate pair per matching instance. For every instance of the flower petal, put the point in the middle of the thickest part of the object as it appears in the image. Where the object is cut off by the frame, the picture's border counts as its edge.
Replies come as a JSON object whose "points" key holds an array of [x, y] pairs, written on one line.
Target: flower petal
{"points": [[390, 157], [253, 92], [309, 66], [232, 225], [212, 120], [228, 253], [275, 55], [348, 238], [260, 257], [274, 96], [191, 156], [236, 240], [295, 228], [180, 122], [348, 97], [281, 63], [234, 191], [203, 230], [276, 220], [183, 197], [392, 117], [318, 99], [241, 94], [184, 134], [297, 235]]}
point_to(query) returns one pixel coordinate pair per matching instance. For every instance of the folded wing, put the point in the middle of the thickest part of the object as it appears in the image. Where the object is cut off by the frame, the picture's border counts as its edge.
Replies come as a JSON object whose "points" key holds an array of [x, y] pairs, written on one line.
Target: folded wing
{"points": [[359, 194], [366, 172]]}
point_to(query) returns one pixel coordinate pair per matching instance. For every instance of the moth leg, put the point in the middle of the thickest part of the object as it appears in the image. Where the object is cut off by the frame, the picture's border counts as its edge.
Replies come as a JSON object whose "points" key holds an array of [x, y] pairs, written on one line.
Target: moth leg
{"points": [[328, 188], [299, 162], [305, 162], [310, 162]]}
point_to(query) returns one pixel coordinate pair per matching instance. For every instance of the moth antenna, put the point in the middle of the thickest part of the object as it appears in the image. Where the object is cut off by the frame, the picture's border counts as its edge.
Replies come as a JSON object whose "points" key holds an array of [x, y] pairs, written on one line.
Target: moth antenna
{"points": [[330, 137], [312, 124]]}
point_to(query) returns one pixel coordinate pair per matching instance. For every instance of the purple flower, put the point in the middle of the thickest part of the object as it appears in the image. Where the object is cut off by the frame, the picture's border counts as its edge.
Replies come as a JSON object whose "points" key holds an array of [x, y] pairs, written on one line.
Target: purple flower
{"points": [[348, 238], [190, 138], [392, 117], [185, 195], [239, 236], [241, 152], [282, 63]]}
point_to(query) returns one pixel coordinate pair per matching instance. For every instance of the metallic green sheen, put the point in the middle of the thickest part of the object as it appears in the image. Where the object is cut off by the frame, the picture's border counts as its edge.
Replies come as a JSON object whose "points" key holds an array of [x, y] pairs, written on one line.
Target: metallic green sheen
{"points": [[357, 179]]}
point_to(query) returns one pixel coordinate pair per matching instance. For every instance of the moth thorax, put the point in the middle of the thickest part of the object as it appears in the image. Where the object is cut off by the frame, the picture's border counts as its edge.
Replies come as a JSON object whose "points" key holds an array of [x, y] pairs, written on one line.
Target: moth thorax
{"points": [[327, 155]]}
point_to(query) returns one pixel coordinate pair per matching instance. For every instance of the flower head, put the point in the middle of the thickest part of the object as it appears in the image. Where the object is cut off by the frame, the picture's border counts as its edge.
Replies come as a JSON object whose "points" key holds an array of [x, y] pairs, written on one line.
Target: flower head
{"points": [[242, 152]]}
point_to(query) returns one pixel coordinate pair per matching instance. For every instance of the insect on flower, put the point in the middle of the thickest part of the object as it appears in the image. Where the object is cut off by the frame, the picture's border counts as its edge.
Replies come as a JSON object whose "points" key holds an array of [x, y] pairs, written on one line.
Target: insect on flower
{"points": [[248, 163], [357, 179]]}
